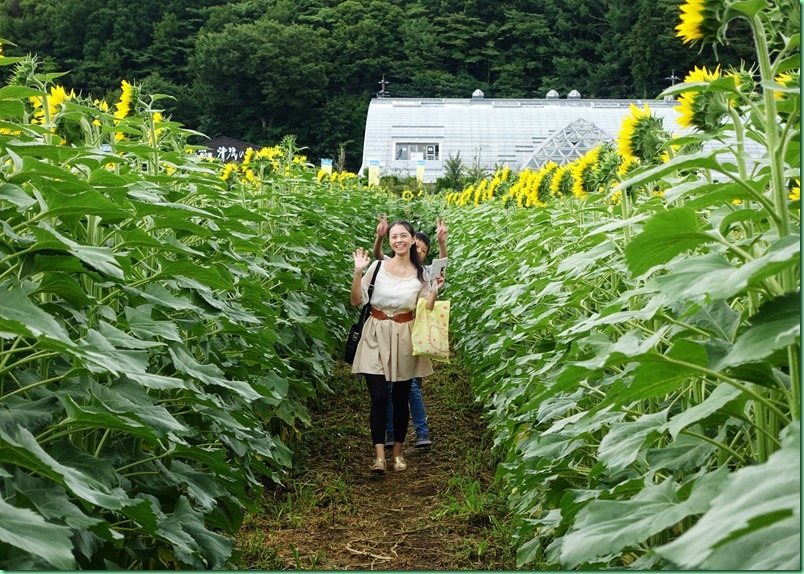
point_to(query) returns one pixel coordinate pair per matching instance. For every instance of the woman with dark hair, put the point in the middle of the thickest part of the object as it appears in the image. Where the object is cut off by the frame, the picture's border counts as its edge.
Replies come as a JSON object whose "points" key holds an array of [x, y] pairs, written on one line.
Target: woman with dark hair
{"points": [[385, 351]]}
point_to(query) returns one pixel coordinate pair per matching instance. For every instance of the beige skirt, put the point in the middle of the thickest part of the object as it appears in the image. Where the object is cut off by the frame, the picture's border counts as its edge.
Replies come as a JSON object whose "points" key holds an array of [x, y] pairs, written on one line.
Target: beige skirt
{"points": [[386, 349]]}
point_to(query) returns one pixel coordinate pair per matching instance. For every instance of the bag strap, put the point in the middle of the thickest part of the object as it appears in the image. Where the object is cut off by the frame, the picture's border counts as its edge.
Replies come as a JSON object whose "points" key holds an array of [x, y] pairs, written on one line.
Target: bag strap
{"points": [[373, 277], [364, 312]]}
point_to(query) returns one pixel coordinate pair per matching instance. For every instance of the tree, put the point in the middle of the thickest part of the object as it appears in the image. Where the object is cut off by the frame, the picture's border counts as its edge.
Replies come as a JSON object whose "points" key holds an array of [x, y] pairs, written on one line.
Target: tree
{"points": [[255, 80]]}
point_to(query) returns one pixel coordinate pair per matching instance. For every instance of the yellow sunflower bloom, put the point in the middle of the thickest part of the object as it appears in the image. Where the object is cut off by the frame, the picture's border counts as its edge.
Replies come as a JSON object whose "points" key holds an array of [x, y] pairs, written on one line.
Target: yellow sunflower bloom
{"points": [[628, 130], [788, 80], [641, 135], [228, 170], [627, 165], [123, 107], [795, 193], [702, 109], [700, 21]]}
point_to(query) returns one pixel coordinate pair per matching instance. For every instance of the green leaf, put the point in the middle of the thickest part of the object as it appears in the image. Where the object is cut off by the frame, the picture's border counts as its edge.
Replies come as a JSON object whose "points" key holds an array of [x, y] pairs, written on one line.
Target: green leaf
{"points": [[749, 8], [629, 346], [183, 268], [208, 373], [605, 527], [716, 317], [199, 486], [739, 216], [102, 354], [665, 235], [20, 448], [701, 160], [623, 443], [33, 415], [159, 295], [192, 542], [146, 328], [84, 203], [99, 417], [659, 375], [131, 401], [118, 338], [770, 543], [15, 195], [64, 286], [18, 93], [51, 501], [722, 395], [28, 531], [776, 325], [157, 382], [685, 454], [759, 503], [713, 276], [100, 258], [19, 315]]}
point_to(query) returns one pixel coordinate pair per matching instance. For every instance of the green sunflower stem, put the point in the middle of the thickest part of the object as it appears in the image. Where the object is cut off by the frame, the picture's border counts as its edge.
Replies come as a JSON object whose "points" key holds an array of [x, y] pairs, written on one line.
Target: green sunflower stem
{"points": [[778, 191]]}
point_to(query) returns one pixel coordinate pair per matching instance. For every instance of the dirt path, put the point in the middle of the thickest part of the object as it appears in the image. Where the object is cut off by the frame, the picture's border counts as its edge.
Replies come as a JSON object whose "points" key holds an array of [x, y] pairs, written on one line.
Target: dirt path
{"points": [[442, 513]]}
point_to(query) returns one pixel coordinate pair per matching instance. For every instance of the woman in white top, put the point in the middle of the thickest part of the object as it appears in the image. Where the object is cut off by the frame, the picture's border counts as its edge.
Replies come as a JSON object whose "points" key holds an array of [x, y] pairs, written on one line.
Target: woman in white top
{"points": [[385, 351]]}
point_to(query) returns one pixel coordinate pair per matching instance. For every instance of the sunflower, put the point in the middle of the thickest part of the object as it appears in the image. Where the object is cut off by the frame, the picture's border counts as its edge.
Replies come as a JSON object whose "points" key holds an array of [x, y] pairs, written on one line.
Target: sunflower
{"points": [[628, 165], [123, 107], [561, 183], [788, 80], [543, 180], [228, 169], [641, 135], [701, 108], [795, 193], [583, 173], [700, 21]]}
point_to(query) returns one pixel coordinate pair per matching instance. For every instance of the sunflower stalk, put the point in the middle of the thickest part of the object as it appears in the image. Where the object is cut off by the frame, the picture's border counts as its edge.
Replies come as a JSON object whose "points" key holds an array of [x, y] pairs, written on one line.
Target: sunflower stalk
{"points": [[778, 190]]}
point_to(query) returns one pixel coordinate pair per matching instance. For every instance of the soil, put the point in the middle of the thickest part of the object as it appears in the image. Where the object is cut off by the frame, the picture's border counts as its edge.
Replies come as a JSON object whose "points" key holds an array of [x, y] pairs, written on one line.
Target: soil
{"points": [[442, 513]]}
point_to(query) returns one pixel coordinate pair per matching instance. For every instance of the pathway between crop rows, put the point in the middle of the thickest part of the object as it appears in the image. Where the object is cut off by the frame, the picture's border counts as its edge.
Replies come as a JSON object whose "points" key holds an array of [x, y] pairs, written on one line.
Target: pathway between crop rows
{"points": [[334, 514]]}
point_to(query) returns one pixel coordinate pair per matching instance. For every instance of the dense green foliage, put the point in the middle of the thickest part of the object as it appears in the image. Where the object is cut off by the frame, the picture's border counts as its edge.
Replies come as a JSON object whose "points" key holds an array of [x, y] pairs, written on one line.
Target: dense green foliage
{"points": [[161, 332], [260, 69], [639, 348], [165, 320]]}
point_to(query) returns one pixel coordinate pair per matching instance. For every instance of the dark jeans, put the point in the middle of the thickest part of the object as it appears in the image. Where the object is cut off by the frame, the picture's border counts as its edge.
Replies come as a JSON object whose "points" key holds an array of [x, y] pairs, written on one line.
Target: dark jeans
{"points": [[378, 390]]}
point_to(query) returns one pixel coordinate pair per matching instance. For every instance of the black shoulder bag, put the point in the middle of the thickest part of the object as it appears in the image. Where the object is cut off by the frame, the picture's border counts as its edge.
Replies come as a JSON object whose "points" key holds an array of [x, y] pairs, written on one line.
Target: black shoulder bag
{"points": [[356, 330]]}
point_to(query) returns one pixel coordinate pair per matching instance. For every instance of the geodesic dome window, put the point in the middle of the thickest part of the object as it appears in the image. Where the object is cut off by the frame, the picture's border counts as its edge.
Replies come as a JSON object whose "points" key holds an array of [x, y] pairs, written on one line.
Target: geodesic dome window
{"points": [[568, 144]]}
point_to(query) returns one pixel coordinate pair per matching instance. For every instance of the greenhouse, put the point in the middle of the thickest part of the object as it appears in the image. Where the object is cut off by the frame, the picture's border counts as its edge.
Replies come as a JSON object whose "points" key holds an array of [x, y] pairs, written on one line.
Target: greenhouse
{"points": [[405, 134]]}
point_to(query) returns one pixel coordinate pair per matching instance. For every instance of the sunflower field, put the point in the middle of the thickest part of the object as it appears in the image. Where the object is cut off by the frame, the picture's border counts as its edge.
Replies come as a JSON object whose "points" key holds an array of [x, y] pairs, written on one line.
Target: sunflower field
{"points": [[631, 323]]}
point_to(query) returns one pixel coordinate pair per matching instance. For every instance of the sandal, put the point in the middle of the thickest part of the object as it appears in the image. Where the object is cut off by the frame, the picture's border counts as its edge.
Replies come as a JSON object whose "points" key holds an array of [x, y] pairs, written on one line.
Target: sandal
{"points": [[379, 466]]}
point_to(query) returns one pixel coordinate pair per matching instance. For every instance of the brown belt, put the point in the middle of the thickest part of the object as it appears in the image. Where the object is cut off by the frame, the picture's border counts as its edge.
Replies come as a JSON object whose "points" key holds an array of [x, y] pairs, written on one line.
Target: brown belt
{"points": [[398, 317]]}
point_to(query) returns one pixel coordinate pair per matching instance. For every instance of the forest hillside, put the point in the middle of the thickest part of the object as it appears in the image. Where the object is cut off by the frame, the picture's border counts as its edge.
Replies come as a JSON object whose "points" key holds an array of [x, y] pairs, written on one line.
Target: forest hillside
{"points": [[258, 70]]}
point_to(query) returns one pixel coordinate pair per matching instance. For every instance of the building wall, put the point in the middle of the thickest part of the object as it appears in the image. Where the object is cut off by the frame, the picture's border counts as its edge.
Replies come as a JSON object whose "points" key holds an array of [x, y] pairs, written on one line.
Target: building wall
{"points": [[485, 132]]}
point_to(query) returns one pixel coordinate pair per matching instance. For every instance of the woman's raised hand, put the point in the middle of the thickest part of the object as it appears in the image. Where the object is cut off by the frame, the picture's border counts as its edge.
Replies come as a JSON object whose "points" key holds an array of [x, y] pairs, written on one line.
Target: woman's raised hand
{"points": [[362, 259], [382, 225]]}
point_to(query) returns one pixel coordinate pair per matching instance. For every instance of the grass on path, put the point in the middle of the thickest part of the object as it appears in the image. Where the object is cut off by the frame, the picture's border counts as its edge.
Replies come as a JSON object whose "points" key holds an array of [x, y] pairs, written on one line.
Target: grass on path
{"points": [[444, 513]]}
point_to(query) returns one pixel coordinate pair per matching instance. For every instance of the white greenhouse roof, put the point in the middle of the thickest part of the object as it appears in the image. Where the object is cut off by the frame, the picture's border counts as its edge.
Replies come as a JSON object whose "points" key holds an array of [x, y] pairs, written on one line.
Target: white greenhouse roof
{"points": [[401, 133]]}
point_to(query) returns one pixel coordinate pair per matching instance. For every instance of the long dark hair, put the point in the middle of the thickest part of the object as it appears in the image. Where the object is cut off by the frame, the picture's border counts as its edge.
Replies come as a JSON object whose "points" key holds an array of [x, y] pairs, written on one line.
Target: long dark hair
{"points": [[414, 253]]}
